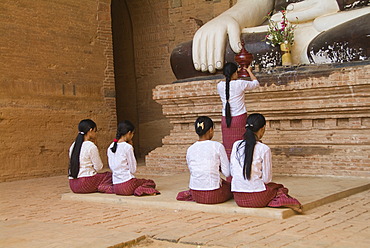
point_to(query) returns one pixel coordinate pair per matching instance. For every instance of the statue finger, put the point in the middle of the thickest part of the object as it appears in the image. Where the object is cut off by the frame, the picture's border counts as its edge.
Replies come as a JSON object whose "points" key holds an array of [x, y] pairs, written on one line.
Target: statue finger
{"points": [[211, 54], [219, 51], [234, 38], [196, 50], [203, 54]]}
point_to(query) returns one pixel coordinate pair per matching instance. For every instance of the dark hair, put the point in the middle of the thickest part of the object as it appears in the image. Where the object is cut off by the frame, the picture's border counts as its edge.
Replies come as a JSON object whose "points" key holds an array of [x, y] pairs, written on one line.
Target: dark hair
{"points": [[123, 128], [74, 163], [202, 125], [229, 70], [254, 123]]}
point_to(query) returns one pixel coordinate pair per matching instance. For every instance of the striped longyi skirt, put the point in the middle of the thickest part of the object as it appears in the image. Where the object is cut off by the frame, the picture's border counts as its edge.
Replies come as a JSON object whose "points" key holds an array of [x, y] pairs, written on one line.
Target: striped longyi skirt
{"points": [[234, 132], [137, 187], [215, 196], [275, 195], [100, 182]]}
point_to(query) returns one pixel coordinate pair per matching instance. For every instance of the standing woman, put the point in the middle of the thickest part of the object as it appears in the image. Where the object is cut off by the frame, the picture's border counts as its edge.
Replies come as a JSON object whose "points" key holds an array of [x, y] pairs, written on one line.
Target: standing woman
{"points": [[85, 162], [234, 111], [251, 171], [205, 159], [122, 162]]}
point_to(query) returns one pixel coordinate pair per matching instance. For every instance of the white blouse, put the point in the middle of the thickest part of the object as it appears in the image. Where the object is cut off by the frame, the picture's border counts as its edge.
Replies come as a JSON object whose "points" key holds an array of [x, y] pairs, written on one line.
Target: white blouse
{"points": [[122, 163], [205, 159], [90, 162], [237, 93], [261, 172]]}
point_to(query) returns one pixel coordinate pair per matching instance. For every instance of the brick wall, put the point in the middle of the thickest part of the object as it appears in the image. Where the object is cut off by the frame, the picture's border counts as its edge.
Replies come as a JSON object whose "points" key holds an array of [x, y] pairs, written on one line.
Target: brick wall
{"points": [[54, 72], [57, 68], [318, 119], [157, 28]]}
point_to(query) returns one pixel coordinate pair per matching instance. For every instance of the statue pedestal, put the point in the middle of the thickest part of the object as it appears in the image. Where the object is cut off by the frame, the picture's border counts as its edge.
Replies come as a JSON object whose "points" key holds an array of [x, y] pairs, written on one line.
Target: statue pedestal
{"points": [[318, 119]]}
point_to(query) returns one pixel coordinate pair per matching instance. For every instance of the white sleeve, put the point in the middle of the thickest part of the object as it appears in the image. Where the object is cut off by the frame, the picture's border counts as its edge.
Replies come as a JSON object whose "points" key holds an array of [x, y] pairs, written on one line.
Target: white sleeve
{"points": [[95, 158], [131, 160], [250, 85], [233, 158], [70, 151], [187, 157], [225, 165], [267, 167]]}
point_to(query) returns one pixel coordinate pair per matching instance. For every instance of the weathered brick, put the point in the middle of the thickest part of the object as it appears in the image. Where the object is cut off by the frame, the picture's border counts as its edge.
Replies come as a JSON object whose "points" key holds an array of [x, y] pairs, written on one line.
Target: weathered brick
{"points": [[313, 129], [52, 76]]}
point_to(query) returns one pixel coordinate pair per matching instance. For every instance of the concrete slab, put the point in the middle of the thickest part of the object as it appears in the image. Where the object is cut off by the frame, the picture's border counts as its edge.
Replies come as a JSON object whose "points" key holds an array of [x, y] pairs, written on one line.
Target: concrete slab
{"points": [[310, 191]]}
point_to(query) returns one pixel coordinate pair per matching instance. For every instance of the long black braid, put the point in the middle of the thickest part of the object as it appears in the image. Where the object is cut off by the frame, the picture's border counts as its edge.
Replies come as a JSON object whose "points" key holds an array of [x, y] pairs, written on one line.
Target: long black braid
{"points": [[229, 70]]}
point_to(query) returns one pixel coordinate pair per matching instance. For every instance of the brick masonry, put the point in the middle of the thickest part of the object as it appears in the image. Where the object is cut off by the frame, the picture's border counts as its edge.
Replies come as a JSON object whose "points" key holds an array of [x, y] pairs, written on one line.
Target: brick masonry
{"points": [[157, 28], [56, 69], [318, 119]]}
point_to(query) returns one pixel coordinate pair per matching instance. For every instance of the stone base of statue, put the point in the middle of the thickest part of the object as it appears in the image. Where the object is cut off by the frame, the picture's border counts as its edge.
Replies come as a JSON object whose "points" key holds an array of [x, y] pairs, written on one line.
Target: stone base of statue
{"points": [[318, 119]]}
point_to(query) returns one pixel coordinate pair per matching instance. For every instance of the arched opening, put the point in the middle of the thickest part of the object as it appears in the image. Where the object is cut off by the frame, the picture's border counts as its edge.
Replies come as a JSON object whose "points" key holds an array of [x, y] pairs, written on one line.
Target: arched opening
{"points": [[124, 66]]}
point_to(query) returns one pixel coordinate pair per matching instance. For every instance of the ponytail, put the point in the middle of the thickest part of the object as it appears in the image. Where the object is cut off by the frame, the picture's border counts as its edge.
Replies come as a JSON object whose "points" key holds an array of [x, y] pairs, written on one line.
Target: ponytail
{"points": [[123, 128], [254, 123], [229, 70], [114, 147], [74, 162], [249, 143]]}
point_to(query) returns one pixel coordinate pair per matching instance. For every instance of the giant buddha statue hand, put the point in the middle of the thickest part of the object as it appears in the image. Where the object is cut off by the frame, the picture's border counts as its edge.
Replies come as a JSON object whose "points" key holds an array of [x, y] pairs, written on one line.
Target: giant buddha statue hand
{"points": [[209, 41], [328, 31], [308, 10]]}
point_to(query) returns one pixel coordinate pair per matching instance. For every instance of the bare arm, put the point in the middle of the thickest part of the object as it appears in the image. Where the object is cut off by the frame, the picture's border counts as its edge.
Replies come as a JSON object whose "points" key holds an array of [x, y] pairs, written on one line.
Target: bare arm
{"points": [[252, 76]]}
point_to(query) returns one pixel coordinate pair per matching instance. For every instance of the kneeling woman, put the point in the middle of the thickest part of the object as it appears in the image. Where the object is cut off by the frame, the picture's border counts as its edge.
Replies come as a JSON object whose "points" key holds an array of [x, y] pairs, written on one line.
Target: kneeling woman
{"points": [[250, 166], [85, 162], [122, 162], [205, 159]]}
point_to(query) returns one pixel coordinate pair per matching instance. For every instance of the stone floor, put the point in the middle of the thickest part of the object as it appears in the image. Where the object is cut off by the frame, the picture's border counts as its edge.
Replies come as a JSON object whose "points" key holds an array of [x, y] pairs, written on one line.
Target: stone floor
{"points": [[33, 214]]}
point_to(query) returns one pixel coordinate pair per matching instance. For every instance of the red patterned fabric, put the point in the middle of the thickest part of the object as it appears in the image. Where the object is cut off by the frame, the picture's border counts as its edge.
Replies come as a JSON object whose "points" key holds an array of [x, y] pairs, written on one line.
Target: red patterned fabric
{"points": [[137, 187], [184, 196], [101, 182], [275, 195], [234, 132], [219, 195], [282, 199]]}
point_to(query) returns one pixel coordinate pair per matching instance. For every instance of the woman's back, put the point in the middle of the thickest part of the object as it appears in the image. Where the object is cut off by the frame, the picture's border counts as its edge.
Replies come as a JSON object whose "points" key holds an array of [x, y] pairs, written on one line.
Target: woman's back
{"points": [[204, 159], [237, 93], [261, 170], [122, 162], [90, 161]]}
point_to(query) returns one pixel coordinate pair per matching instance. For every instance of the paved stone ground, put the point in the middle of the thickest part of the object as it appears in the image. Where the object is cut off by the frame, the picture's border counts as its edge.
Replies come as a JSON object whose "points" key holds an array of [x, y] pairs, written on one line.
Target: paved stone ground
{"points": [[32, 214]]}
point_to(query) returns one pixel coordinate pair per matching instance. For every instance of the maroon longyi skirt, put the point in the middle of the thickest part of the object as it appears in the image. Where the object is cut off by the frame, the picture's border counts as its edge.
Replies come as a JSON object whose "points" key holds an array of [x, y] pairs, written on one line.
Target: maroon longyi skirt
{"points": [[234, 132], [100, 182], [137, 187], [215, 196], [275, 195]]}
